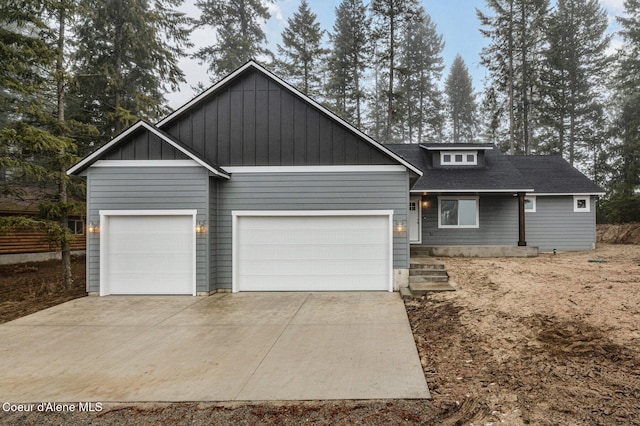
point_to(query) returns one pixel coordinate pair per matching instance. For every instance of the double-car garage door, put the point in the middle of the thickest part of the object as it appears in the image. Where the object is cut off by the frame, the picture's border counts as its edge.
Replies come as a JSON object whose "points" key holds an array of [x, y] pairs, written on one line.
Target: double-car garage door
{"points": [[271, 251], [307, 251]]}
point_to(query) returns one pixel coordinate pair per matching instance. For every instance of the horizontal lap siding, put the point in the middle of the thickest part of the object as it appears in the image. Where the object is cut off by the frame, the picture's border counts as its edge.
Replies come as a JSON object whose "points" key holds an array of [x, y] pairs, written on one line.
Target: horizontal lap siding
{"points": [[498, 224], [309, 191], [146, 188], [554, 224]]}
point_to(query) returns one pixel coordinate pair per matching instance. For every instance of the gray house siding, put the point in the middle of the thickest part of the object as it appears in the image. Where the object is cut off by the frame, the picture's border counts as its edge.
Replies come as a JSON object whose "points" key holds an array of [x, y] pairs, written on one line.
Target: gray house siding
{"points": [[309, 191], [146, 188], [554, 225], [498, 220], [255, 121]]}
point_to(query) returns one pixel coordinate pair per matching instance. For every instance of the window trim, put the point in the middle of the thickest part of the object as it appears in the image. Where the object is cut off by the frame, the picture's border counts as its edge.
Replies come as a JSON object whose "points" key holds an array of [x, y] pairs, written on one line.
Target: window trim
{"points": [[458, 198], [75, 226], [532, 198], [464, 161], [577, 209]]}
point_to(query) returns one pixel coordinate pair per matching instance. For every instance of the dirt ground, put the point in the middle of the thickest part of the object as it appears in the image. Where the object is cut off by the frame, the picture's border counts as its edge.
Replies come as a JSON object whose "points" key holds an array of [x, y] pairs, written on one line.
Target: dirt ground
{"points": [[30, 287], [553, 340]]}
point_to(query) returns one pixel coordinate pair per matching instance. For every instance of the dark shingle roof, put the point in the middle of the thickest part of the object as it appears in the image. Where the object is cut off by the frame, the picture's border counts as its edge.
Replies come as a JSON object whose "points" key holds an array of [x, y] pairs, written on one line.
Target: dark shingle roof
{"points": [[498, 175], [502, 173], [551, 174]]}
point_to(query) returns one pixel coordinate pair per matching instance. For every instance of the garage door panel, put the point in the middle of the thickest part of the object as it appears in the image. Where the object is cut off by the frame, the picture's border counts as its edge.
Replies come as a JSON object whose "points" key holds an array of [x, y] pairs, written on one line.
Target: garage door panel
{"points": [[313, 253], [149, 254]]}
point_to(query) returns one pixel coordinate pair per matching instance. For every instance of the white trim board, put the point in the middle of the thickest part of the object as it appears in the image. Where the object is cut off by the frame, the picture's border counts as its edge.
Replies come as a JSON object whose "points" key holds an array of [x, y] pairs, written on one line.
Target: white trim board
{"points": [[470, 191], [259, 68], [446, 147], [314, 169], [104, 228], [145, 163], [564, 194]]}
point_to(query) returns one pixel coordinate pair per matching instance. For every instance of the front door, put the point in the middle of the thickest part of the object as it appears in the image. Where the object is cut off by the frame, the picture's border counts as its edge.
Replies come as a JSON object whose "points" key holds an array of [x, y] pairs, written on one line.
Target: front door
{"points": [[415, 233]]}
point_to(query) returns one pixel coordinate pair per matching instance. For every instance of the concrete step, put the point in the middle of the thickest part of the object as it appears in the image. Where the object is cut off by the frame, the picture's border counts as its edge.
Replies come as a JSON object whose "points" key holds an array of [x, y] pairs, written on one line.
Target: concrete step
{"points": [[428, 279], [425, 264], [428, 272], [419, 289], [405, 293]]}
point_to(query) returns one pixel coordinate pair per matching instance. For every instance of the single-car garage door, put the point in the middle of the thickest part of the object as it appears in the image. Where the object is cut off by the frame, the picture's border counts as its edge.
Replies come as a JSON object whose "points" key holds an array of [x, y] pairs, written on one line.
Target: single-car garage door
{"points": [[312, 251], [147, 254]]}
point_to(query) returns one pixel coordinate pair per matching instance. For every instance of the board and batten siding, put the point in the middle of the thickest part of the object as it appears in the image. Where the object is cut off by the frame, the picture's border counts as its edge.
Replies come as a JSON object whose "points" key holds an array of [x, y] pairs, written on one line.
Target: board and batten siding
{"points": [[254, 121], [554, 225], [309, 191], [147, 188], [498, 224]]}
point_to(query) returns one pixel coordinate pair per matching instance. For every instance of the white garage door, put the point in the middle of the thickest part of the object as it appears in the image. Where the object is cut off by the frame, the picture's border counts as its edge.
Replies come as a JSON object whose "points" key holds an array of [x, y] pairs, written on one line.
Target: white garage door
{"points": [[151, 254], [312, 252]]}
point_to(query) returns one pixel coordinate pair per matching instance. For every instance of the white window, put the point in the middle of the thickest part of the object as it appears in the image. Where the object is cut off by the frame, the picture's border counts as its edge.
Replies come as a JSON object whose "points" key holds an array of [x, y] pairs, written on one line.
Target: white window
{"points": [[530, 204], [581, 204], [459, 158], [458, 212]]}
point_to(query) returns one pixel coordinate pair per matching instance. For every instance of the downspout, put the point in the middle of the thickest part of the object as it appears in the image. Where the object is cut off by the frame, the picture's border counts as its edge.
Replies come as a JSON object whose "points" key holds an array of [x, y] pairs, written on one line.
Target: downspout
{"points": [[522, 241]]}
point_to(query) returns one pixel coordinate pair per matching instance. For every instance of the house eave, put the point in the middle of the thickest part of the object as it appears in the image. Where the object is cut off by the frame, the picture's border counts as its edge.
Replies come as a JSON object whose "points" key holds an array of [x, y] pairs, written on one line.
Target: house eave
{"points": [[483, 191]]}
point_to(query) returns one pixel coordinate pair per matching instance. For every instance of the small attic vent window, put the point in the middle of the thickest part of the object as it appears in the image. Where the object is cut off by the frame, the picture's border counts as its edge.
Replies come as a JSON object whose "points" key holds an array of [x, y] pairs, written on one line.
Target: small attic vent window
{"points": [[459, 158]]}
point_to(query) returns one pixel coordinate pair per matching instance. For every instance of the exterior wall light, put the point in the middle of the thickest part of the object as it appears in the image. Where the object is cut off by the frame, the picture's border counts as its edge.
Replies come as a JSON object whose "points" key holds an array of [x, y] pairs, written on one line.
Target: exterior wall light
{"points": [[399, 226], [201, 227], [425, 204], [93, 228]]}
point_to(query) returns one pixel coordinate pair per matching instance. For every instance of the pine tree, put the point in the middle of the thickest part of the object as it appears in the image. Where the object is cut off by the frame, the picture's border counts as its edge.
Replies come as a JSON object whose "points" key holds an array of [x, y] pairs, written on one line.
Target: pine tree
{"points": [[301, 53], [461, 104], [126, 58], [35, 142], [421, 65], [624, 201], [513, 59], [389, 17], [351, 40], [239, 36], [576, 63]]}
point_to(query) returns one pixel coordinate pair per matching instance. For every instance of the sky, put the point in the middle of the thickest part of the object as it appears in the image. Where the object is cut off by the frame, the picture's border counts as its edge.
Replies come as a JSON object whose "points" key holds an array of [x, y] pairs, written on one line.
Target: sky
{"points": [[455, 19]]}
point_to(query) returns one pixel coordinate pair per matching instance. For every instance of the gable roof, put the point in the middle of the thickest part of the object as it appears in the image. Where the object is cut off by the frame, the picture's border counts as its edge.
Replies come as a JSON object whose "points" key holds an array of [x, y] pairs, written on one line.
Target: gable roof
{"points": [[498, 175], [168, 121], [165, 137], [552, 174]]}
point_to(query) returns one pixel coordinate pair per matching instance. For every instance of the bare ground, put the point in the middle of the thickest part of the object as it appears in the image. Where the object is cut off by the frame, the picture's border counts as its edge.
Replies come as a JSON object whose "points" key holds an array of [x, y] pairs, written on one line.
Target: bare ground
{"points": [[553, 340]]}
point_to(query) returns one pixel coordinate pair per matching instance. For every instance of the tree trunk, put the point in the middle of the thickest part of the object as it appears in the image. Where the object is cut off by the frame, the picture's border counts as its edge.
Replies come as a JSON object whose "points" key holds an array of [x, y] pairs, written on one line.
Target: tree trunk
{"points": [[510, 53], [392, 36], [67, 278], [525, 77]]}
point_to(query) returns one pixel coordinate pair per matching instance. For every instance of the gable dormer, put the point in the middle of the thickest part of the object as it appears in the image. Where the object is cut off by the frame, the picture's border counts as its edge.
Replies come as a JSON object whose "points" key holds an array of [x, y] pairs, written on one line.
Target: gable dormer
{"points": [[457, 155]]}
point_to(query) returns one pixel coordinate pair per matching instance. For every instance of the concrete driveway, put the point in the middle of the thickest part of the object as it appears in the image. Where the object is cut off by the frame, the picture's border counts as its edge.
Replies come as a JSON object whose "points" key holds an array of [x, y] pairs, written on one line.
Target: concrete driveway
{"points": [[244, 346]]}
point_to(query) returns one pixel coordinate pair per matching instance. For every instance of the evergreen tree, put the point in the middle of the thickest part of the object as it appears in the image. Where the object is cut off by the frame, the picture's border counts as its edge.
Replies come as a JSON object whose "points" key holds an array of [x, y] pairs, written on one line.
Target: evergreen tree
{"points": [[239, 36], [351, 40], [576, 63], [389, 18], [126, 58], [623, 204], [461, 104], [35, 143], [301, 52], [420, 99], [513, 59]]}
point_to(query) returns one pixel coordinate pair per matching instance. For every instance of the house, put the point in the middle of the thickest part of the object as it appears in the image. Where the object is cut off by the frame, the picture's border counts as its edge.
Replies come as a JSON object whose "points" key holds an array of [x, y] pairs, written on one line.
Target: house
{"points": [[253, 186], [473, 195]]}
